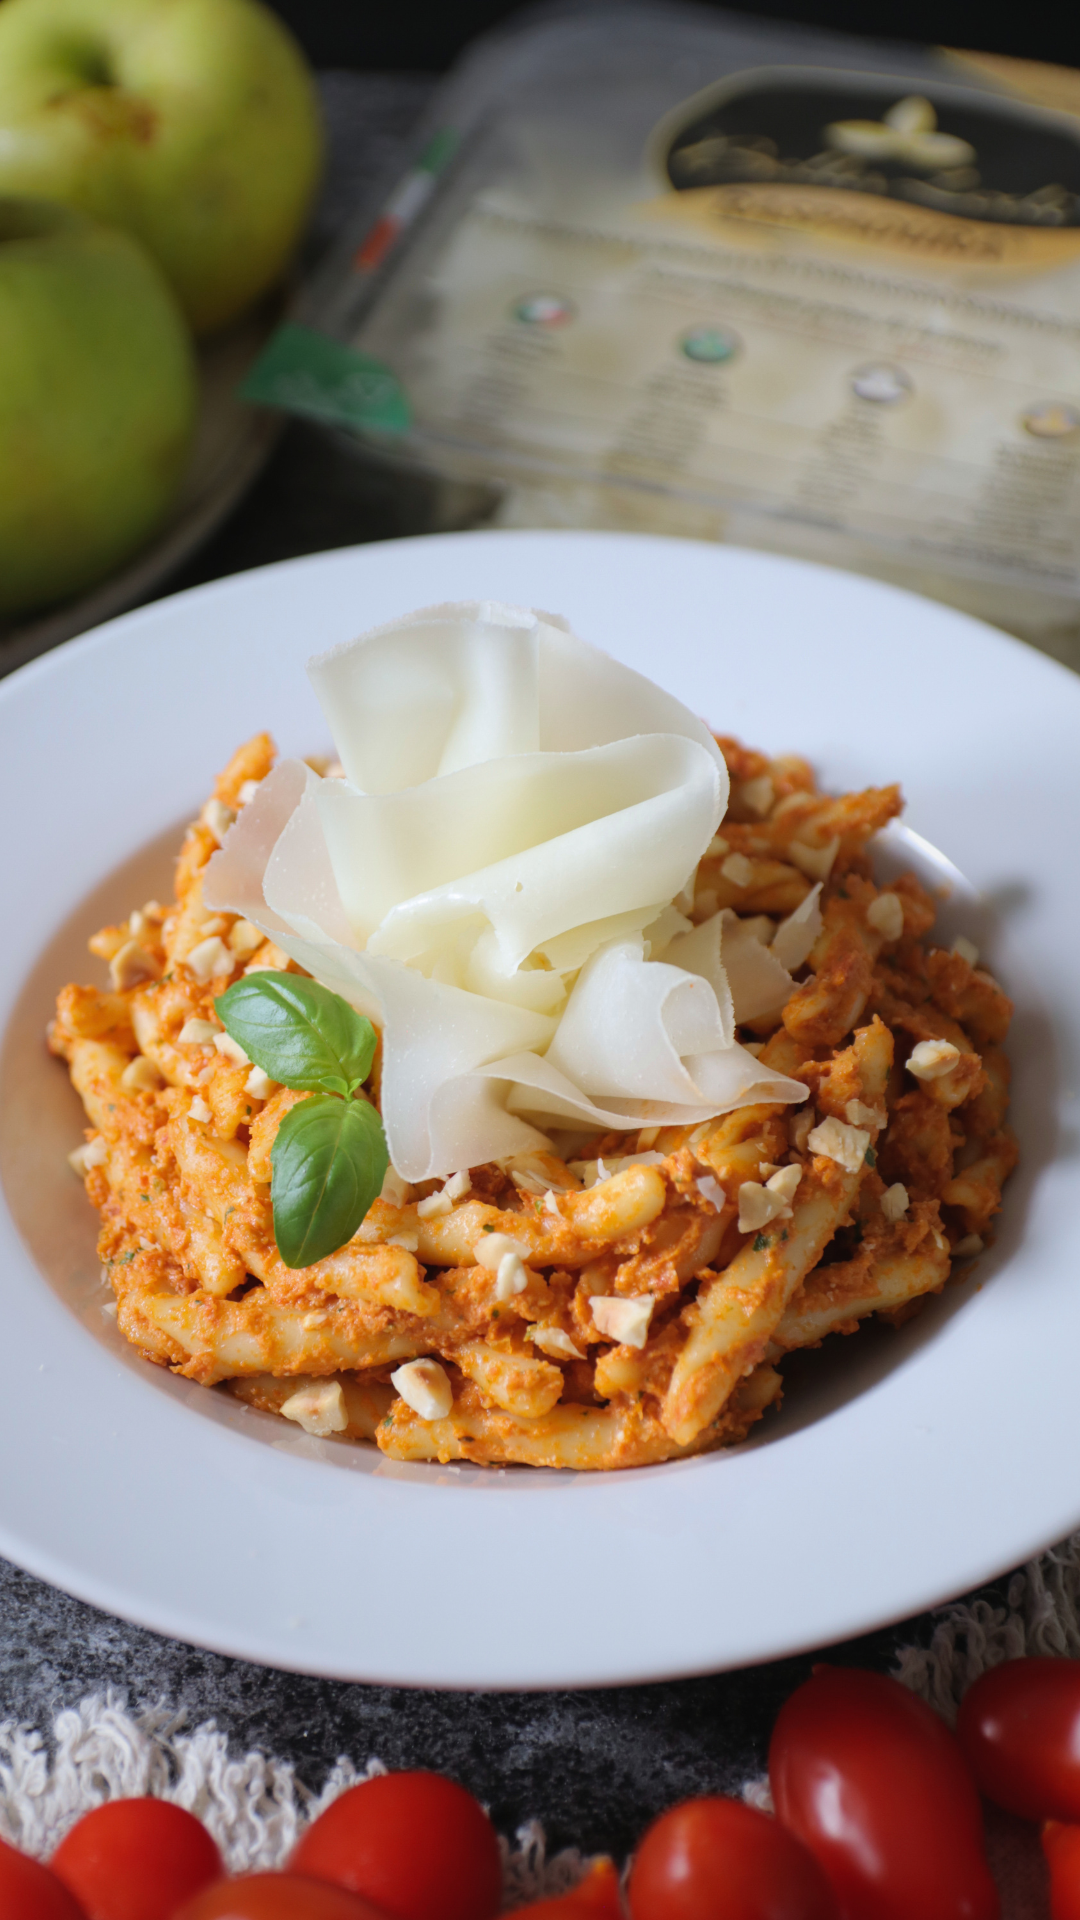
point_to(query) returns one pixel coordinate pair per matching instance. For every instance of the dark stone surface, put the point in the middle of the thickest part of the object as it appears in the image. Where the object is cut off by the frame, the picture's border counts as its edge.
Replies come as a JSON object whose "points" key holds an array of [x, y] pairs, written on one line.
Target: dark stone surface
{"points": [[593, 1765]]}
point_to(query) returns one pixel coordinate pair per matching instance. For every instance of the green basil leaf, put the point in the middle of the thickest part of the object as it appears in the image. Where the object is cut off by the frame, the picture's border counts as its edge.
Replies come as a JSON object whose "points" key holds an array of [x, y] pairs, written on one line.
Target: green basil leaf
{"points": [[328, 1163], [298, 1032]]}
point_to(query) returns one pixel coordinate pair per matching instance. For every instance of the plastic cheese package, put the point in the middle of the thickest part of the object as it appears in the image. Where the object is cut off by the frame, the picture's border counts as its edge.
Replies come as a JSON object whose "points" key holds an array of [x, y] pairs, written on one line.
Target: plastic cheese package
{"points": [[677, 271]]}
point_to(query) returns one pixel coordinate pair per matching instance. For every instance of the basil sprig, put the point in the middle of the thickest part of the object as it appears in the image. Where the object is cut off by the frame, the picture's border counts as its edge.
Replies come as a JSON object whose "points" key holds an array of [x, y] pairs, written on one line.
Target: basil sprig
{"points": [[329, 1157]]}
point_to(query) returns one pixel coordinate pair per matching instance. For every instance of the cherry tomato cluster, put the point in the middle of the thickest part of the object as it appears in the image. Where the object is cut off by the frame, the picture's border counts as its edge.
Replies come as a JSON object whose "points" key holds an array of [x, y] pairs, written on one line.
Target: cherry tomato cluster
{"points": [[878, 1817]]}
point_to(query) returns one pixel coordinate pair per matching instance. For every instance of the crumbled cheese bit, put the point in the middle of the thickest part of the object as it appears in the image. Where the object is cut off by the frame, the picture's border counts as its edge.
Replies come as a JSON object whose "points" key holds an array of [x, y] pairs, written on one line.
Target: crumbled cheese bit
{"points": [[932, 1059], [551, 1203], [718, 844], [425, 1387], [894, 1202], [738, 869], [319, 1408], [710, 1189], [968, 1247], [244, 937], [758, 796], [835, 1140], [197, 1033], [965, 949], [218, 817], [647, 1137], [512, 1276], [886, 915], [435, 1205], [755, 1047], [248, 791], [800, 1126], [623, 1320], [210, 960], [860, 1115], [554, 1342], [395, 1190], [232, 1049], [491, 1247], [259, 1084], [92, 1153], [140, 1075], [199, 1110], [815, 862], [409, 1242], [130, 964]]}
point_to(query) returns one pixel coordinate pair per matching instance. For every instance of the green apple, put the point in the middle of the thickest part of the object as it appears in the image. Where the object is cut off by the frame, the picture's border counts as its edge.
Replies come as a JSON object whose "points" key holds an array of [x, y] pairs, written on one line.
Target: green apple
{"points": [[97, 401], [194, 124]]}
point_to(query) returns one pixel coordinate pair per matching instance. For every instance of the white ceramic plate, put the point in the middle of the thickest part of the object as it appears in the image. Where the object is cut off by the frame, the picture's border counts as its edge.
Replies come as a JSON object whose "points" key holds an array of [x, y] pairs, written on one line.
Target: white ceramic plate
{"points": [[903, 1468]]}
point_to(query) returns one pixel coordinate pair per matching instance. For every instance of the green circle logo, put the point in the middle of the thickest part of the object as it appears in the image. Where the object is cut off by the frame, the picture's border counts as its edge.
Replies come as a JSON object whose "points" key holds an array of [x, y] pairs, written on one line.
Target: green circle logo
{"points": [[710, 346]]}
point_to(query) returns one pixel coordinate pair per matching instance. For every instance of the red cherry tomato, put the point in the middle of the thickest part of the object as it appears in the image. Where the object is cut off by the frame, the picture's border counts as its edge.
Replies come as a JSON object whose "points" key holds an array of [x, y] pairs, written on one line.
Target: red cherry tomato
{"points": [[715, 1859], [136, 1859], [877, 1787], [415, 1844], [1019, 1726], [276, 1896], [1061, 1846], [594, 1898], [30, 1892]]}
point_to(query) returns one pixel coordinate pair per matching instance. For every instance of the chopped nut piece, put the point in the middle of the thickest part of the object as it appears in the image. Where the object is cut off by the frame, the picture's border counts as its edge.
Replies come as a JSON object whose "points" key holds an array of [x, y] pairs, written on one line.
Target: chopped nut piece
{"points": [[758, 796], [753, 1046], [966, 950], [318, 1408], [932, 1059], [886, 915], [551, 1203], [835, 1140], [408, 1241], [141, 1076], [512, 1276], [232, 1049], [312, 1321], [718, 844], [259, 1084], [137, 923], [218, 817], [968, 1247], [647, 1138], [894, 1202], [493, 1246], [199, 1110], [210, 960], [130, 964], [243, 938], [92, 1153], [800, 1126], [435, 1205], [624, 1320], [759, 927], [425, 1387], [757, 1206], [458, 1185], [248, 791], [738, 869], [815, 862], [197, 1033], [860, 1115], [785, 1182], [554, 1342]]}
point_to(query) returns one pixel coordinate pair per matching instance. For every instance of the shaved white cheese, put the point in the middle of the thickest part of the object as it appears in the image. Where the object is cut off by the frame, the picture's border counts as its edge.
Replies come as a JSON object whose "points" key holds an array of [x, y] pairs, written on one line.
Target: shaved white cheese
{"points": [[796, 935], [931, 1059], [318, 1407], [886, 916], [894, 1202], [425, 1387], [499, 882], [395, 1191], [197, 1033], [556, 1343], [836, 1140], [625, 1320]]}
